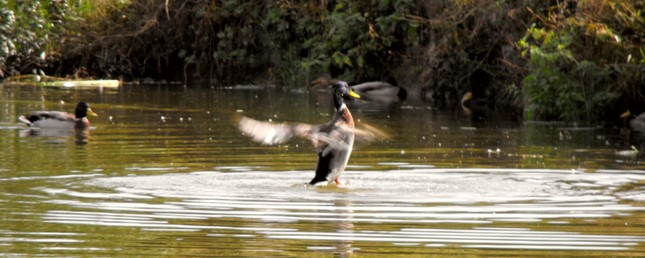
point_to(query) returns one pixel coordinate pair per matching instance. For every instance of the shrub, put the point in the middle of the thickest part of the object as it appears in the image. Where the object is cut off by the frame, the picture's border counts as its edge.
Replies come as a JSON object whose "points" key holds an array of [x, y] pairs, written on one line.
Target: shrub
{"points": [[29, 34], [470, 46], [583, 56], [238, 41]]}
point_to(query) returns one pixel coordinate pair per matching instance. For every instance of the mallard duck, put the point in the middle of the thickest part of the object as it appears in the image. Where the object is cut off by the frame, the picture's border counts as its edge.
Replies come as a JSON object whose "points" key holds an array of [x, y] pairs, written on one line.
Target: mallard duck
{"points": [[333, 141], [381, 91], [59, 119], [635, 122], [468, 96], [474, 107]]}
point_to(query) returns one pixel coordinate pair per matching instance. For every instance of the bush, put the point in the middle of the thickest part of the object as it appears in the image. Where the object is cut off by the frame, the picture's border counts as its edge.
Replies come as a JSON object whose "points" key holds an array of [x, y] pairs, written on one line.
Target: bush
{"points": [[583, 56], [237, 42], [470, 46], [29, 34], [355, 40]]}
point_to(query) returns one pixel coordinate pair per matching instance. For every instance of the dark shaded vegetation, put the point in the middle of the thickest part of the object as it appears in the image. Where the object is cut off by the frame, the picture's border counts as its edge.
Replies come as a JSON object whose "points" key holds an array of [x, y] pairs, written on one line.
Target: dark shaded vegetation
{"points": [[581, 61]]}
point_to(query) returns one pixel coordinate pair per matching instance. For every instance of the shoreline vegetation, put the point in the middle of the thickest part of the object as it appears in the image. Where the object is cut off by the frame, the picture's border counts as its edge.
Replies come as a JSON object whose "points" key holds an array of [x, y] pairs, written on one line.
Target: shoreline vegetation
{"points": [[572, 61]]}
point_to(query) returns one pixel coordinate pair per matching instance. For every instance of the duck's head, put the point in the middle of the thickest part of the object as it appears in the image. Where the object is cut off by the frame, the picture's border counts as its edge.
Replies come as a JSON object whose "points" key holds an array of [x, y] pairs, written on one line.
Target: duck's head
{"points": [[340, 90], [322, 81], [467, 97], [83, 109]]}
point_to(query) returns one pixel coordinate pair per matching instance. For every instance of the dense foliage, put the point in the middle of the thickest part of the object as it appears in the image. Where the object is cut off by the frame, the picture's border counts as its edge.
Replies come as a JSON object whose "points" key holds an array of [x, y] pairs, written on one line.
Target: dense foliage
{"points": [[30, 32], [233, 41], [556, 60], [583, 57]]}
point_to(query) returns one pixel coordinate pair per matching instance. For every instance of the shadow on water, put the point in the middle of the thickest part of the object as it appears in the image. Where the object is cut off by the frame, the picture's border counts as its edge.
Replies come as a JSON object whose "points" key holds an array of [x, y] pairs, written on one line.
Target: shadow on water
{"points": [[165, 173]]}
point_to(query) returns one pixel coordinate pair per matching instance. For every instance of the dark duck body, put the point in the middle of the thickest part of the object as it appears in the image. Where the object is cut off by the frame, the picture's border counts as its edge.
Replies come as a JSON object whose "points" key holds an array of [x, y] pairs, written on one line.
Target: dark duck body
{"points": [[333, 140], [60, 120], [380, 91], [636, 123]]}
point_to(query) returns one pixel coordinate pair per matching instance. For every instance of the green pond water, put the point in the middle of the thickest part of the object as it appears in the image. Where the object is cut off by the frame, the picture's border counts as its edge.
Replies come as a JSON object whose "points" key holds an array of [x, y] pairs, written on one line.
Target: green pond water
{"points": [[164, 172]]}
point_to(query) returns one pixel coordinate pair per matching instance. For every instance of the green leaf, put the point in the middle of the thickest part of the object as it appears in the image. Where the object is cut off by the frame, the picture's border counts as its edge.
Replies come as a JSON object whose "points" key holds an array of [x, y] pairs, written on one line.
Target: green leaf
{"points": [[347, 61]]}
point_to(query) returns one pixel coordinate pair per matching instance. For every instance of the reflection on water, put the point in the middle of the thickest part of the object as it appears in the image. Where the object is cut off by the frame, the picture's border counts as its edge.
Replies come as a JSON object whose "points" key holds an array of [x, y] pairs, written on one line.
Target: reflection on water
{"points": [[81, 137], [166, 173]]}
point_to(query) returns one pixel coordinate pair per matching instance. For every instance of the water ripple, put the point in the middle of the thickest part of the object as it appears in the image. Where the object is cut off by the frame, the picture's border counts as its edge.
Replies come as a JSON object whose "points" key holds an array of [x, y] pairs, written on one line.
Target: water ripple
{"points": [[430, 201]]}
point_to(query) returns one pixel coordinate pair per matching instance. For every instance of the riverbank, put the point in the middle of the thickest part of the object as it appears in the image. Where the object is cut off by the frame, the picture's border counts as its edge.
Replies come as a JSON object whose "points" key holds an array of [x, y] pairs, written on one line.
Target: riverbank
{"points": [[570, 61]]}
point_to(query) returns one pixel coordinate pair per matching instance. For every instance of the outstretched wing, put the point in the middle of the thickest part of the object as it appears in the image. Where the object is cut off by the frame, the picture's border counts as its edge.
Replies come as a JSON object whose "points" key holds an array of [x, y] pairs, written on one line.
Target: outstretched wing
{"points": [[272, 133], [367, 133], [326, 134]]}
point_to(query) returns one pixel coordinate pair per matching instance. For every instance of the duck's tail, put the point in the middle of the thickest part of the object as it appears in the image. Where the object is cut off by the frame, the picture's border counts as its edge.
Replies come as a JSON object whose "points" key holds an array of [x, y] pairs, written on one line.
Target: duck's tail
{"points": [[25, 120]]}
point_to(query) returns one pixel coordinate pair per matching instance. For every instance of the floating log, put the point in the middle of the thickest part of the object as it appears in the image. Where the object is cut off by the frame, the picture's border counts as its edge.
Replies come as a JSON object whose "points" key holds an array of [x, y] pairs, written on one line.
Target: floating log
{"points": [[50, 81]]}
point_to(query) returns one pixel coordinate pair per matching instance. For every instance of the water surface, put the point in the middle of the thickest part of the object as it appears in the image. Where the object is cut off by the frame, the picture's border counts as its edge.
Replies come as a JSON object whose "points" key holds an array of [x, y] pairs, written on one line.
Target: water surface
{"points": [[165, 173]]}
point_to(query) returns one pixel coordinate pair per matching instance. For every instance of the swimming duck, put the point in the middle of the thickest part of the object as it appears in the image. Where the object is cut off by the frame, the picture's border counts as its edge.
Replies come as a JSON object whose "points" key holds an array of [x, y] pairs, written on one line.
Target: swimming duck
{"points": [[635, 122], [387, 92], [380, 91], [59, 119], [475, 108], [333, 141], [464, 102], [471, 104]]}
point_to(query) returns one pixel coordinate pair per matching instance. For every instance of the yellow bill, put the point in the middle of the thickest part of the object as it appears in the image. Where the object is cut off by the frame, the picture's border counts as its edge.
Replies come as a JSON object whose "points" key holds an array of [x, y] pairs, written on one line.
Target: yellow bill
{"points": [[90, 112], [353, 94]]}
